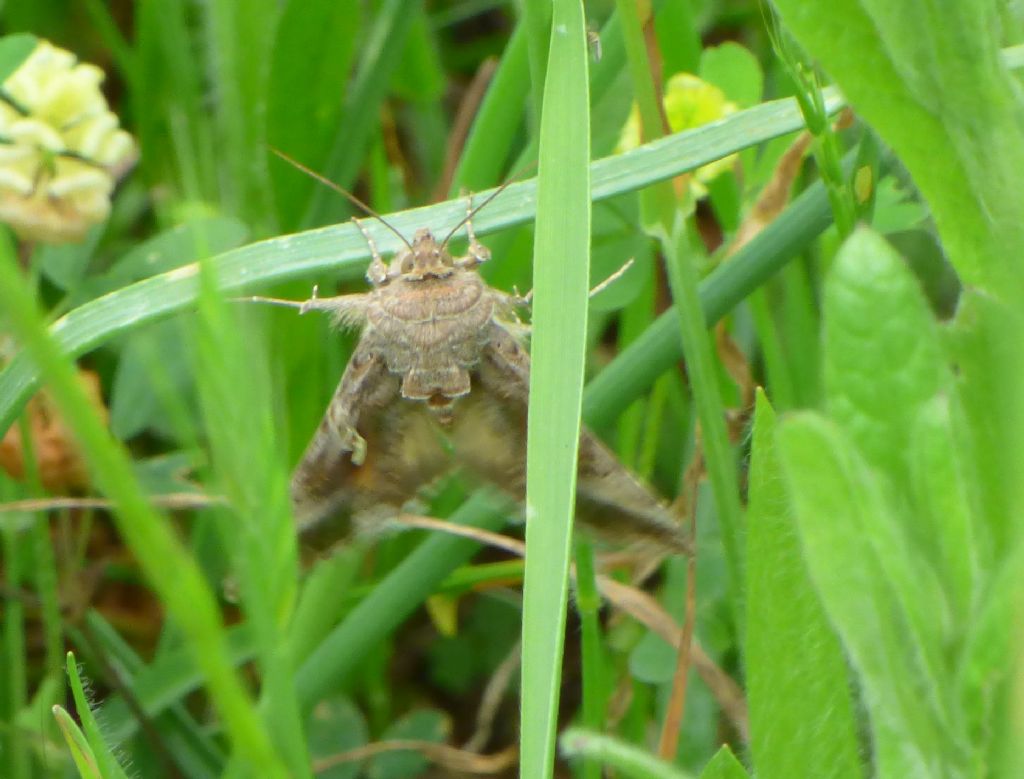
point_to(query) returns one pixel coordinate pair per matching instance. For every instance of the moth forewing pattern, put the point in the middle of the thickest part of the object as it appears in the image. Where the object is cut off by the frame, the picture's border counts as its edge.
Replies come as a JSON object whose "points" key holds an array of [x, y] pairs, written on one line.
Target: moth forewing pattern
{"points": [[439, 379]]}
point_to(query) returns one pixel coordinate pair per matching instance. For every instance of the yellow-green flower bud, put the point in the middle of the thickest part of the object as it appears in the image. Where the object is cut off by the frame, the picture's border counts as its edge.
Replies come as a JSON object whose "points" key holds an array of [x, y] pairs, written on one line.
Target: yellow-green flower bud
{"points": [[61, 149], [689, 102]]}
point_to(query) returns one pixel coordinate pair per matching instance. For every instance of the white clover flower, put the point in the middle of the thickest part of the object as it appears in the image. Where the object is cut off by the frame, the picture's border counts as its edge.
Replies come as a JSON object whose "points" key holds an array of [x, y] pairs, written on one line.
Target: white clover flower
{"points": [[689, 102], [61, 149]]}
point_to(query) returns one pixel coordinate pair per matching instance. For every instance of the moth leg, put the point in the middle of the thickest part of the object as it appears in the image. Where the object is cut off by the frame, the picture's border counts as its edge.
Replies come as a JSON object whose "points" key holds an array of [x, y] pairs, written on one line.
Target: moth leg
{"points": [[478, 253], [377, 273]]}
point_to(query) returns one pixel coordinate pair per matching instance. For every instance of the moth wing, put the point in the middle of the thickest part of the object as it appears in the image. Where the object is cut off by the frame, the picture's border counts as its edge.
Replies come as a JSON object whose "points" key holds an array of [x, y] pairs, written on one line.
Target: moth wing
{"points": [[490, 439], [371, 452], [488, 429]]}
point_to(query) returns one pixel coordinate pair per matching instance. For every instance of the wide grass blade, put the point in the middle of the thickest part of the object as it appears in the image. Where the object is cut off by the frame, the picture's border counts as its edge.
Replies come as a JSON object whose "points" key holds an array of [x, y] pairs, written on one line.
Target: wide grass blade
{"points": [[342, 249], [561, 282]]}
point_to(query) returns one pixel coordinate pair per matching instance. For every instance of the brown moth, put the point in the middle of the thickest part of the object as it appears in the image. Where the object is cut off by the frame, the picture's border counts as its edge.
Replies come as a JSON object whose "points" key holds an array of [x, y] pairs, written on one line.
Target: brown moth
{"points": [[440, 380]]}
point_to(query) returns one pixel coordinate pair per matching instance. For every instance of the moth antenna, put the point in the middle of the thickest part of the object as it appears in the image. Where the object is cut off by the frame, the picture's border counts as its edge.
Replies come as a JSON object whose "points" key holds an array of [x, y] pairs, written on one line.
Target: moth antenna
{"points": [[272, 301], [489, 198], [612, 278], [341, 191]]}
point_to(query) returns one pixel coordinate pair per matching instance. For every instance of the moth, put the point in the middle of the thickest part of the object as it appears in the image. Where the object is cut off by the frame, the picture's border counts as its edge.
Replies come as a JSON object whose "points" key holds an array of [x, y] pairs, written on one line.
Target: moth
{"points": [[440, 380]]}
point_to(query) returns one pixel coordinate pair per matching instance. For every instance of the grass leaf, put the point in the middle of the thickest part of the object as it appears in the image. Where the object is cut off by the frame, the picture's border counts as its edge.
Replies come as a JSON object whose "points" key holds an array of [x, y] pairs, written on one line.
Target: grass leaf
{"points": [[561, 283]]}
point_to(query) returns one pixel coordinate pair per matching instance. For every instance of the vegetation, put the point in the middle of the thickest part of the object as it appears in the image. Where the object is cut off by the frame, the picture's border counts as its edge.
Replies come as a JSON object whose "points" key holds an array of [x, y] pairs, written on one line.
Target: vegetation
{"points": [[816, 354]]}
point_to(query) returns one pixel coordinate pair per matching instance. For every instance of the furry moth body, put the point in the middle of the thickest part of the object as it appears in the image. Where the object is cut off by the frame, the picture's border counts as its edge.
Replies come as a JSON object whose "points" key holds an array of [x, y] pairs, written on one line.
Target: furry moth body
{"points": [[440, 379]]}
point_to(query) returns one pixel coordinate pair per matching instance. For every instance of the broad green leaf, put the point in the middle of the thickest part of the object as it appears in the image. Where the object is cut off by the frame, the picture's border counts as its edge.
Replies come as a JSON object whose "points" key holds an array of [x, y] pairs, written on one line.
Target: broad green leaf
{"points": [[798, 692], [336, 725], [944, 495], [653, 660], [883, 357], [988, 350], [66, 264], [733, 69], [14, 49], [724, 765], [152, 369], [421, 725], [929, 77], [859, 563], [992, 661]]}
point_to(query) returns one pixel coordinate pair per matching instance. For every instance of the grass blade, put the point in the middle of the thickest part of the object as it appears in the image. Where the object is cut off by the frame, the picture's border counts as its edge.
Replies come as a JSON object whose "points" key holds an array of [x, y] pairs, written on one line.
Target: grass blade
{"points": [[342, 249], [172, 571], [106, 763], [561, 282]]}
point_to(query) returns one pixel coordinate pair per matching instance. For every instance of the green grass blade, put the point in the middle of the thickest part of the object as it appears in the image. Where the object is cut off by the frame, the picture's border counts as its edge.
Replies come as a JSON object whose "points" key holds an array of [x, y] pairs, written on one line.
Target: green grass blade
{"points": [[172, 571], [669, 218], [497, 121], [303, 103], [107, 764], [241, 39], [342, 249], [15, 757], [561, 282], [234, 383], [81, 753], [189, 743], [162, 685], [377, 62]]}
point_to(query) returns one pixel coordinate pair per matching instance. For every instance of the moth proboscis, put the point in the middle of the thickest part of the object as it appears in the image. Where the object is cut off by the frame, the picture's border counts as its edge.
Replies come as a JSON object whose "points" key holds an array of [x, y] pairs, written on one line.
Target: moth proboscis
{"points": [[440, 379]]}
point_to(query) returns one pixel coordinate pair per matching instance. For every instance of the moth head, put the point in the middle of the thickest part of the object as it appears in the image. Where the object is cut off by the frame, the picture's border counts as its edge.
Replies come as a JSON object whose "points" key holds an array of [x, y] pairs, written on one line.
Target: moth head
{"points": [[426, 258]]}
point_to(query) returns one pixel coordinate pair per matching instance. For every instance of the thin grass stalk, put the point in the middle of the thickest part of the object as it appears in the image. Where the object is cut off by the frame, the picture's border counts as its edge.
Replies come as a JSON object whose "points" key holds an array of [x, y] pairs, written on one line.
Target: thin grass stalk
{"points": [[588, 606], [536, 19], [173, 573], [261, 535], [667, 220], [15, 757], [44, 566]]}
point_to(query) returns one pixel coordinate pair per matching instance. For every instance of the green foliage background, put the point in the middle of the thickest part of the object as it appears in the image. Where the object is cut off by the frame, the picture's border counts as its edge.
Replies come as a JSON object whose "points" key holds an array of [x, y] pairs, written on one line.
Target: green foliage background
{"points": [[860, 566]]}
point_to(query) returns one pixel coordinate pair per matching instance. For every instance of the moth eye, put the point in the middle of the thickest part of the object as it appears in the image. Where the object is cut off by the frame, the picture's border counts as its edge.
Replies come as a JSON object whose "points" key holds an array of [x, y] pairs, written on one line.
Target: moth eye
{"points": [[407, 265]]}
